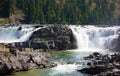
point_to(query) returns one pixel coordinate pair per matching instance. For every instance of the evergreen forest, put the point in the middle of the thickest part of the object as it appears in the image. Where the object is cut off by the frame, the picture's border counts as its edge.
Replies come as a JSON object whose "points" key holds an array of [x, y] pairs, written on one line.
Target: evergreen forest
{"points": [[61, 11]]}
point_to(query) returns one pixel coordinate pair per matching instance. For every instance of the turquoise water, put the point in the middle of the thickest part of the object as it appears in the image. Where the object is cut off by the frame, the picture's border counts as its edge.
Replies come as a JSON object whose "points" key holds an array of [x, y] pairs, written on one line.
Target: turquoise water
{"points": [[74, 58]]}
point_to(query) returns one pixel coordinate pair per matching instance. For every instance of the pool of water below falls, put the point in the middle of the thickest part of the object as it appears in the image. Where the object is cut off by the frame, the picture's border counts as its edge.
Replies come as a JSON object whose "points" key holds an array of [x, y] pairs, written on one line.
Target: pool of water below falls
{"points": [[68, 63]]}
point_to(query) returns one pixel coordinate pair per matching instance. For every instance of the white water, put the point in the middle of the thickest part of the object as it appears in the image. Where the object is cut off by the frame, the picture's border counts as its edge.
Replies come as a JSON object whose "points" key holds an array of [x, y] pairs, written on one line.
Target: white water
{"points": [[91, 37], [12, 34], [65, 68]]}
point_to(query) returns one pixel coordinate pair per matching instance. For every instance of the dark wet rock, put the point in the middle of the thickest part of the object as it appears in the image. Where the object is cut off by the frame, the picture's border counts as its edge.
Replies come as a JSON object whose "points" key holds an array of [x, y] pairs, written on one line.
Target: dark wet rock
{"points": [[97, 54], [53, 64], [50, 38], [89, 64], [116, 44], [93, 70], [117, 65], [20, 28], [110, 67], [109, 73], [89, 57], [5, 68], [109, 64]]}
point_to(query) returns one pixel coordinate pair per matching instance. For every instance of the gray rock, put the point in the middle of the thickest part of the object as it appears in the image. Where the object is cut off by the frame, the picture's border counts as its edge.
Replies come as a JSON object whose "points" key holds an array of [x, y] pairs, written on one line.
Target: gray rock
{"points": [[50, 38]]}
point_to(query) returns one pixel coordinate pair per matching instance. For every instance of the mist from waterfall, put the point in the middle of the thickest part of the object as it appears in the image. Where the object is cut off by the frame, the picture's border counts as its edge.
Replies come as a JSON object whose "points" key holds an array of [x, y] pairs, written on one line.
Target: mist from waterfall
{"points": [[92, 37], [16, 34]]}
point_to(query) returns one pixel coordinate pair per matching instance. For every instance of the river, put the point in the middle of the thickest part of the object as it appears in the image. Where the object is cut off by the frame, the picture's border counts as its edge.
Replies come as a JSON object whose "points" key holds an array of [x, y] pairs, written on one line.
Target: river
{"points": [[89, 39], [68, 63]]}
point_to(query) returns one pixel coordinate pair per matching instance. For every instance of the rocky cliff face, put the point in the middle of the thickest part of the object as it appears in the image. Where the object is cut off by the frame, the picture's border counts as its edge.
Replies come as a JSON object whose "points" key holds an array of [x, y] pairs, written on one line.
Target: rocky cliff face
{"points": [[117, 45], [51, 38]]}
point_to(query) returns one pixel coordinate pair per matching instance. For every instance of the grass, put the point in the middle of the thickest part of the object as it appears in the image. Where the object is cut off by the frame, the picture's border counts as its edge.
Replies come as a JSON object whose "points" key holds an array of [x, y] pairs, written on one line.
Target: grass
{"points": [[3, 21]]}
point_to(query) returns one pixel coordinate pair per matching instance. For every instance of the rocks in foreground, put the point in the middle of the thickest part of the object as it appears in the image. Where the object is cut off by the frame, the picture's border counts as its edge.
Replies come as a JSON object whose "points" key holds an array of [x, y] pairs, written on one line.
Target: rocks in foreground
{"points": [[24, 61], [102, 65]]}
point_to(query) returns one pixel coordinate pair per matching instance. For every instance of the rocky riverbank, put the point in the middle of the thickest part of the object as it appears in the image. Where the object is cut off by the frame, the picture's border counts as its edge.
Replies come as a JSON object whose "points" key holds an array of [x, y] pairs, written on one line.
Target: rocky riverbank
{"points": [[23, 61], [32, 54], [102, 65]]}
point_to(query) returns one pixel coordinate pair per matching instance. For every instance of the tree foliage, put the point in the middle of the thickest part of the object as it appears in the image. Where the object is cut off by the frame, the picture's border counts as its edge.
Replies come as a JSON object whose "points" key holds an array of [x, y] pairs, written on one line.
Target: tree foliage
{"points": [[62, 11]]}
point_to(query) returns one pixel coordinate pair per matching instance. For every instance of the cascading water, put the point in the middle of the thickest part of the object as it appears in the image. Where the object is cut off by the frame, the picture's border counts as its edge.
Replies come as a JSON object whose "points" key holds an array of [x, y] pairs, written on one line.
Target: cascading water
{"points": [[88, 38], [81, 37], [16, 34], [91, 37]]}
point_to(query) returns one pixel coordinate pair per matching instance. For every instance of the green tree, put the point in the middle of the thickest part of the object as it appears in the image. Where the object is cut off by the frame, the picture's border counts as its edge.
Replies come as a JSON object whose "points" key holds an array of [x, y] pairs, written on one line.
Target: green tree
{"points": [[12, 6]]}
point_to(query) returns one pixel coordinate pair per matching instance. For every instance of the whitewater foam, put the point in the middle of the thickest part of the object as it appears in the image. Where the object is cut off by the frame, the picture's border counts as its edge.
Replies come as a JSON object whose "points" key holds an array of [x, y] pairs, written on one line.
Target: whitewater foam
{"points": [[65, 68], [98, 38], [13, 34]]}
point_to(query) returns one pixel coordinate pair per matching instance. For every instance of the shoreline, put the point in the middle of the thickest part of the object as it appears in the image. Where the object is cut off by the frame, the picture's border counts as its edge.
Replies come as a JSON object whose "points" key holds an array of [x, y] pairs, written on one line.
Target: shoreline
{"points": [[102, 65], [24, 62]]}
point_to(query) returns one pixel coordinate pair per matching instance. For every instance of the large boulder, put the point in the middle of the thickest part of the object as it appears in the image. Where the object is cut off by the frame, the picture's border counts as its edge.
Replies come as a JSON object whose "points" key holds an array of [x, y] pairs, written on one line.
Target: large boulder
{"points": [[93, 70], [50, 37]]}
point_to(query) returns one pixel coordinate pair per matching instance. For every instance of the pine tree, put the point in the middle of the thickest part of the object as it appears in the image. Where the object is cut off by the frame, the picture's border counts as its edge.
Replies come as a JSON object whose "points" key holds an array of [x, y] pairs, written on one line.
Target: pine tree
{"points": [[12, 6]]}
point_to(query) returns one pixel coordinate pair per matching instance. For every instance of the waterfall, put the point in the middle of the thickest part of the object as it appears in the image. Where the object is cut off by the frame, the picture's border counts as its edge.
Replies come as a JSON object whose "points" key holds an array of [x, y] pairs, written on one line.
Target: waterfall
{"points": [[81, 37], [17, 33], [92, 37]]}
